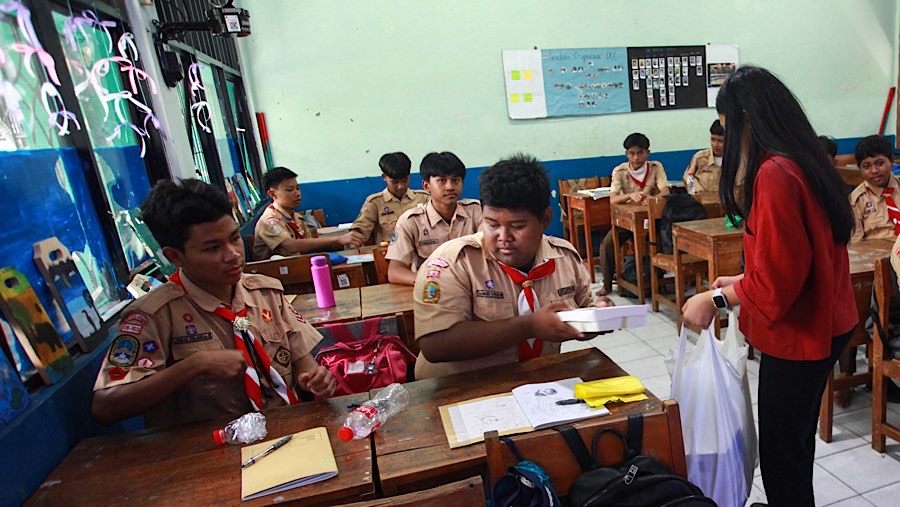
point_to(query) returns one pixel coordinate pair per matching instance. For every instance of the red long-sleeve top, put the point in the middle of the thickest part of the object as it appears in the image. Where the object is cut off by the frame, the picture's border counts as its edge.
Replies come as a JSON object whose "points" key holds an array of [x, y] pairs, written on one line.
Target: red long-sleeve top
{"points": [[796, 292]]}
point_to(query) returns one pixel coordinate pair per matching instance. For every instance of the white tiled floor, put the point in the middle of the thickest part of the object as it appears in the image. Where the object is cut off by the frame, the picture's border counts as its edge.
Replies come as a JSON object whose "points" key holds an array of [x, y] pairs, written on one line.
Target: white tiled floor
{"points": [[848, 472]]}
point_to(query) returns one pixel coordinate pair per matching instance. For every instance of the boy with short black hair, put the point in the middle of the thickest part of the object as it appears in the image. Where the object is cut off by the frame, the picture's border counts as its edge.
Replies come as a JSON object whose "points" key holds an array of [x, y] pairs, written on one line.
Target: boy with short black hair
{"points": [[874, 201], [702, 174], [491, 297], [421, 230], [633, 181], [379, 214], [281, 230], [213, 341]]}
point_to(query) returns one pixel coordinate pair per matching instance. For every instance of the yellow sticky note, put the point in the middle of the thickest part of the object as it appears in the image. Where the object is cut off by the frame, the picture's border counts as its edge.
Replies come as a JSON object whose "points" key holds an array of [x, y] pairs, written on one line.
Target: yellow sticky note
{"points": [[516, 75], [528, 97], [514, 97], [527, 74]]}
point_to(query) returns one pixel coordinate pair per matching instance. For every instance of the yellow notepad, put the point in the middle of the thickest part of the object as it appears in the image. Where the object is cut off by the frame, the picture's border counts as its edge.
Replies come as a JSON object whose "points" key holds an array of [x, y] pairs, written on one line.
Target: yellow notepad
{"points": [[305, 459]]}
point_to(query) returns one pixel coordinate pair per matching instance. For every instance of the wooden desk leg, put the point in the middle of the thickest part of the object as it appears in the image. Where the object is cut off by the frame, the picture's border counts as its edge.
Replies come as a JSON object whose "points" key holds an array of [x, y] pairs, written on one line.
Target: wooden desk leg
{"points": [[617, 249], [639, 260], [588, 244]]}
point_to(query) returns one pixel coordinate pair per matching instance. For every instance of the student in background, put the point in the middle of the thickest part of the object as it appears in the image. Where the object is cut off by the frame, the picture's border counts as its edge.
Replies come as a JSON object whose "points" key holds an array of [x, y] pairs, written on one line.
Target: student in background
{"points": [[830, 147], [633, 181], [795, 293], [281, 230], [380, 212], [491, 298], [421, 230], [212, 342], [874, 200], [702, 174]]}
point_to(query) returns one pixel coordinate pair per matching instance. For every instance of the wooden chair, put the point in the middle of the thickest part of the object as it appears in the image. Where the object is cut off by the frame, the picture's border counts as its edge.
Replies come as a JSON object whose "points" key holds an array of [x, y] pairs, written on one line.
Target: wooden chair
{"points": [[568, 187], [456, 494], [884, 368], [381, 264], [850, 175], [295, 273], [665, 262], [662, 439]]}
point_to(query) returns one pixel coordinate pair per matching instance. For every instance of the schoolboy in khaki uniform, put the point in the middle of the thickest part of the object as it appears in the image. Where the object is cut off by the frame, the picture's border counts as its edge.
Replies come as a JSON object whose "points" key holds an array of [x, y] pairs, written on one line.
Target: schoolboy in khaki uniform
{"points": [[420, 231], [706, 165], [180, 353], [281, 230], [470, 312], [633, 181], [379, 214], [873, 199]]}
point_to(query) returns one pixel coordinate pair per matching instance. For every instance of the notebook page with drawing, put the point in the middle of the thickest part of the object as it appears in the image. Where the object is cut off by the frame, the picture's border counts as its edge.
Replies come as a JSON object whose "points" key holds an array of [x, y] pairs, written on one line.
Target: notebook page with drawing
{"points": [[538, 402]]}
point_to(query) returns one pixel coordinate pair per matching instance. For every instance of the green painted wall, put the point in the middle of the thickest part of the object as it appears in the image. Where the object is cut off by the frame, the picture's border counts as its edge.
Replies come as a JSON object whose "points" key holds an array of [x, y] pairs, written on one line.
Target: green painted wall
{"points": [[342, 82]]}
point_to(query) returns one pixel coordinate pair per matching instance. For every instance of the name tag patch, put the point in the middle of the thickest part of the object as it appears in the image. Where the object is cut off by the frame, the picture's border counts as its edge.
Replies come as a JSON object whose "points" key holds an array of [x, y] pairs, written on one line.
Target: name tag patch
{"points": [[427, 242], [566, 290], [181, 340], [490, 294]]}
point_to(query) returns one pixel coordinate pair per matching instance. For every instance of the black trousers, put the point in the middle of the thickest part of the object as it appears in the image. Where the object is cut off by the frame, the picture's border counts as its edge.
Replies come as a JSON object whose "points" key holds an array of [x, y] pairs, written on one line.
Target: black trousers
{"points": [[789, 396]]}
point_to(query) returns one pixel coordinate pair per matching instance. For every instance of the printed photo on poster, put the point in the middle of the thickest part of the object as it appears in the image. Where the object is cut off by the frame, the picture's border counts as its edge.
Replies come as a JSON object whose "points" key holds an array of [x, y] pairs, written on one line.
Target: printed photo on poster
{"points": [[719, 73]]}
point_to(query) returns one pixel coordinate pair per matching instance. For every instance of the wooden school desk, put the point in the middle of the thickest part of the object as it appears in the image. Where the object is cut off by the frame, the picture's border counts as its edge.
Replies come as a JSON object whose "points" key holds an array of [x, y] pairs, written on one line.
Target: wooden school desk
{"points": [[596, 213], [412, 450], [631, 217], [389, 299], [184, 466], [863, 255], [346, 309], [712, 241]]}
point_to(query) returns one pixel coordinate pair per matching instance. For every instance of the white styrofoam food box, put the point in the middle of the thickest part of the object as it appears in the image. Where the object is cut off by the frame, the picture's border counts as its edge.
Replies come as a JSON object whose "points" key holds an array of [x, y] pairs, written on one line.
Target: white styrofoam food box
{"points": [[593, 320]]}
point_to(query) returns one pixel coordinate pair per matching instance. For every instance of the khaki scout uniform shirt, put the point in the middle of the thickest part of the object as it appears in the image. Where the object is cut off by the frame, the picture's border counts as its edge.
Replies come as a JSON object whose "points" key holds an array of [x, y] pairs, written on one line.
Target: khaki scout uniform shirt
{"points": [[421, 230], [272, 230], [895, 257], [705, 170], [462, 282], [623, 184], [870, 211], [170, 323], [381, 211]]}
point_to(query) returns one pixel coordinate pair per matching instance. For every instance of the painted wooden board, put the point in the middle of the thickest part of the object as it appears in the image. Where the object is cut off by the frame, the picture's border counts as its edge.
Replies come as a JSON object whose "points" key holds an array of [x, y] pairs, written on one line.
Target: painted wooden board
{"points": [[32, 326], [55, 263], [14, 397], [143, 233]]}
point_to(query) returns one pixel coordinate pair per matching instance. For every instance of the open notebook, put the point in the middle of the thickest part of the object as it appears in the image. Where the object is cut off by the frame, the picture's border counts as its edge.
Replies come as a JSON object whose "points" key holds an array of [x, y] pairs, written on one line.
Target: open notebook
{"points": [[305, 459], [527, 408]]}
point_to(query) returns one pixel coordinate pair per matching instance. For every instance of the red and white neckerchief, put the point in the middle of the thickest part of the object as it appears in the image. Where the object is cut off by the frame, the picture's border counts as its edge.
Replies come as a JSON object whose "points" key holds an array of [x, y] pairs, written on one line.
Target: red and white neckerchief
{"points": [[893, 210], [528, 301], [640, 176], [290, 222], [254, 355]]}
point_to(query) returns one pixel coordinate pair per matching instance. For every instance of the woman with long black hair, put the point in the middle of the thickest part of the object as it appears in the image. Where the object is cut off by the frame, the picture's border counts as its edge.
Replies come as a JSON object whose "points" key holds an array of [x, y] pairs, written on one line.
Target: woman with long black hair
{"points": [[795, 293]]}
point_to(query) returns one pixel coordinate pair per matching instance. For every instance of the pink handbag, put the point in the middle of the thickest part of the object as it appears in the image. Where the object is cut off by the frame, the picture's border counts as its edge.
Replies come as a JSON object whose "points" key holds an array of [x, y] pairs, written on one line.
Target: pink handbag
{"points": [[370, 361]]}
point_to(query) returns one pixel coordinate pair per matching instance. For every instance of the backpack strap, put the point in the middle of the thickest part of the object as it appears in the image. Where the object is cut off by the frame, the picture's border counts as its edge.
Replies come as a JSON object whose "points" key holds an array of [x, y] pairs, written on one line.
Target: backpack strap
{"points": [[635, 435], [370, 327], [576, 445], [340, 332], [596, 441], [512, 447]]}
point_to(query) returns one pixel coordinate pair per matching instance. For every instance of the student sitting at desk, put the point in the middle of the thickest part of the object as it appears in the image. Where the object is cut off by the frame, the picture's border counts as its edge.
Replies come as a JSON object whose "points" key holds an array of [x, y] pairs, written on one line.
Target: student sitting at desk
{"points": [[491, 297], [381, 211], [874, 200], [281, 230], [702, 174], [633, 181], [213, 341], [421, 230]]}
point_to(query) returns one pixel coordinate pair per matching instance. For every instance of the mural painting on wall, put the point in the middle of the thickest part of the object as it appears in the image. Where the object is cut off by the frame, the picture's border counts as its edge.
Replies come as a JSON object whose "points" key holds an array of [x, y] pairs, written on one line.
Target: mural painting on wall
{"points": [[199, 106]]}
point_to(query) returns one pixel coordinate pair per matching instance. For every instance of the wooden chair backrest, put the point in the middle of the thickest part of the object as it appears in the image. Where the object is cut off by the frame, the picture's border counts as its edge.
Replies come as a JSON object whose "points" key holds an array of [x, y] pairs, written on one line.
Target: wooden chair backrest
{"points": [[662, 440], [884, 294], [569, 186], [290, 270], [456, 494], [381, 264], [850, 175], [392, 325], [605, 181], [655, 206]]}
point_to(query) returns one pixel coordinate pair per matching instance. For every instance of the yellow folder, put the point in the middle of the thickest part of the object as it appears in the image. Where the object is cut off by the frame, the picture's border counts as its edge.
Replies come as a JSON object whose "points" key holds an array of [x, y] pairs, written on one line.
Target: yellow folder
{"points": [[305, 459]]}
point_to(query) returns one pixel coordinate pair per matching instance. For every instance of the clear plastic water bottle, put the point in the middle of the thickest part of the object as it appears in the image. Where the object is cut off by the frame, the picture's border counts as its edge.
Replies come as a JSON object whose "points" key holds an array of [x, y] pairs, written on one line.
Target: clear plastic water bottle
{"points": [[369, 416], [321, 276], [690, 184], [243, 430]]}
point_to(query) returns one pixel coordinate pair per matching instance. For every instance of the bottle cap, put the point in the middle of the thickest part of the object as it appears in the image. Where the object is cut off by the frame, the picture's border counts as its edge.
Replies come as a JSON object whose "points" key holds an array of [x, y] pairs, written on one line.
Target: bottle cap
{"points": [[385, 243], [345, 434], [319, 260], [219, 436]]}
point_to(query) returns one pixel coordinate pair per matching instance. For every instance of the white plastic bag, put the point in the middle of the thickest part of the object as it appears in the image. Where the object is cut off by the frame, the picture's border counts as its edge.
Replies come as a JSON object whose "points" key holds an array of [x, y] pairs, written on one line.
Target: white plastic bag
{"points": [[711, 387]]}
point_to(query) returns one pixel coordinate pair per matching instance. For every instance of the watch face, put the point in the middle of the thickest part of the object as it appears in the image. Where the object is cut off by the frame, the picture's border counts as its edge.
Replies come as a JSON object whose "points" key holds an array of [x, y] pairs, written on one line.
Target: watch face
{"points": [[720, 301]]}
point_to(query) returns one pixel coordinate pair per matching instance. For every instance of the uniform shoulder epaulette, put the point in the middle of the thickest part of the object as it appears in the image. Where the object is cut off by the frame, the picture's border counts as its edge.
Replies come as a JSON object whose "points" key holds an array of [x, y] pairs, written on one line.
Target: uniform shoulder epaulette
{"points": [[561, 243], [857, 193], [159, 297], [418, 210], [372, 197], [469, 202], [619, 168], [420, 192], [256, 282], [450, 250]]}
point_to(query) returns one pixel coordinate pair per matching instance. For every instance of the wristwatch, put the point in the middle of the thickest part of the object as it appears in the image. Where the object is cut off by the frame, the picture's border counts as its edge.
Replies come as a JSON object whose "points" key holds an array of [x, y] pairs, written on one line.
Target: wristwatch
{"points": [[720, 300]]}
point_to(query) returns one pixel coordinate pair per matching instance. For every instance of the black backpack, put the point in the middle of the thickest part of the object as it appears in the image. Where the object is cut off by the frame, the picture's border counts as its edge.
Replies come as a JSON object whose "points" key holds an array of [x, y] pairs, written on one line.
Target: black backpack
{"points": [[678, 208], [638, 481], [890, 337]]}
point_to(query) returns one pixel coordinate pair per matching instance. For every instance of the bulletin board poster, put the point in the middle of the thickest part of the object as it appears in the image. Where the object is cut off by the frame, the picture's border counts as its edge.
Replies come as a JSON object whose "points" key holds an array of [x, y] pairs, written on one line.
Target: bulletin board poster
{"points": [[593, 81]]}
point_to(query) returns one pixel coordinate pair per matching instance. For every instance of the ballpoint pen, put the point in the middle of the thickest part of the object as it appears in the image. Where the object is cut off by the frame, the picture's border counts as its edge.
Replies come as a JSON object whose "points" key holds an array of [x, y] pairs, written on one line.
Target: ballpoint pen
{"points": [[573, 401], [272, 448]]}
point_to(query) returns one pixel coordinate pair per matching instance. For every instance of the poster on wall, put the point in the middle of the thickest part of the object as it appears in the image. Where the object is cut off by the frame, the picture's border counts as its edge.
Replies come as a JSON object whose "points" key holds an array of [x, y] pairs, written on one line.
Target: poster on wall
{"points": [[591, 81]]}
